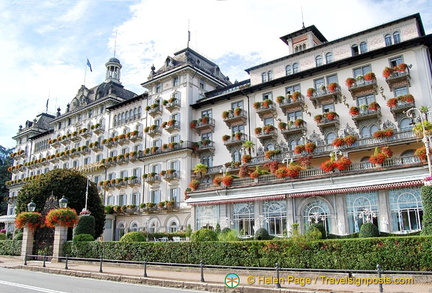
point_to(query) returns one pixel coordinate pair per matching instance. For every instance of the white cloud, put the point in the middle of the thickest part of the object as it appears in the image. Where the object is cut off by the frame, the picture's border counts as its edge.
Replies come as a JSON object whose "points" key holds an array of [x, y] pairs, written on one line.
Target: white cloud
{"points": [[45, 43]]}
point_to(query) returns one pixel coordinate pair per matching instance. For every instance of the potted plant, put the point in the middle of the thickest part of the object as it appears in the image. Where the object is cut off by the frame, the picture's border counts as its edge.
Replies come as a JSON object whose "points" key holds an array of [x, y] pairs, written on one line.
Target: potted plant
{"points": [[310, 147], [217, 181], [200, 169], [298, 122], [227, 180], [392, 102], [309, 92], [269, 128], [258, 130], [421, 153], [349, 82], [338, 142], [65, 217], [402, 67], [273, 166], [237, 111], [295, 96], [373, 106], [238, 135], [318, 118], [280, 99], [343, 163], [257, 105], [408, 98], [293, 170], [225, 114], [194, 184], [31, 220], [332, 87], [225, 138], [266, 103], [281, 172], [354, 111], [282, 125], [328, 166], [387, 72], [369, 76], [350, 140], [246, 158], [331, 115], [299, 149]]}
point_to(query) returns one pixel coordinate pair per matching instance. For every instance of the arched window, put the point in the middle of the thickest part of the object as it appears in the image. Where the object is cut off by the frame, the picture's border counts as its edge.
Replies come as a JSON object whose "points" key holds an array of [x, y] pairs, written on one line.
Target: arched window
{"points": [[318, 60], [295, 67], [405, 124], [236, 156], [133, 227], [317, 212], [275, 217], [288, 70], [406, 210], [269, 147], [329, 57], [388, 40], [243, 218], [330, 137], [120, 230], [264, 77], [361, 208], [363, 47], [173, 226], [396, 37]]}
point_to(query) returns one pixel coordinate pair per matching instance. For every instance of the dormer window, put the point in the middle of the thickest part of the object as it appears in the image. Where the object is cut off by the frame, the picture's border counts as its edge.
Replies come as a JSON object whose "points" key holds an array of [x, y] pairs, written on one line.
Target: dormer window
{"points": [[295, 67], [329, 57], [318, 60], [288, 70], [363, 47], [354, 50], [396, 37], [267, 76]]}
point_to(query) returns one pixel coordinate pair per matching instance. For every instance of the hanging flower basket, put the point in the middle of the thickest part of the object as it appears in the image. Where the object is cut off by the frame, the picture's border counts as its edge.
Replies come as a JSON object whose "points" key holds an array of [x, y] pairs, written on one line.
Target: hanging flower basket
{"points": [[421, 153], [310, 147], [369, 76], [310, 91], [338, 142], [377, 159], [350, 140], [299, 149], [227, 180], [349, 82], [61, 217], [217, 181], [32, 220], [354, 111], [387, 72], [328, 166], [343, 163], [391, 103], [332, 87]]}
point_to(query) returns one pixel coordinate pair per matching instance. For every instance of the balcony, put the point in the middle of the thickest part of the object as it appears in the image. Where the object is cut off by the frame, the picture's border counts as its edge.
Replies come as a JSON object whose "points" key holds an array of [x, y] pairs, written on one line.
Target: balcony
{"points": [[136, 137], [363, 87], [134, 182], [237, 139], [265, 110], [76, 138], [155, 111], [398, 79], [98, 129], [172, 126], [326, 122], [151, 179], [205, 145], [292, 128], [109, 142], [401, 108], [85, 133], [366, 114], [269, 133], [289, 104], [231, 117], [173, 176], [171, 106], [325, 96], [153, 131], [204, 124]]}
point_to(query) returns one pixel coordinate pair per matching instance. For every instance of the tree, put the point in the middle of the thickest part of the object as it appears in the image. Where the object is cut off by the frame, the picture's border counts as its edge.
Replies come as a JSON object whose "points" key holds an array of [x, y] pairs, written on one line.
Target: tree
{"points": [[63, 182], [5, 175]]}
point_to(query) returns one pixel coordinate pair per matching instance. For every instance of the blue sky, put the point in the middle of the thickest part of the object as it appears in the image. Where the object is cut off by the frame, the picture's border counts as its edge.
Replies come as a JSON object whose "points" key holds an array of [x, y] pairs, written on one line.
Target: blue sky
{"points": [[45, 43]]}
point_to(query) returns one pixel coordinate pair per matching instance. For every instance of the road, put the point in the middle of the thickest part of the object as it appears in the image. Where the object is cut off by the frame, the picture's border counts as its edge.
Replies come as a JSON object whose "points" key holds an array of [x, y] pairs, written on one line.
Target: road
{"points": [[23, 281]]}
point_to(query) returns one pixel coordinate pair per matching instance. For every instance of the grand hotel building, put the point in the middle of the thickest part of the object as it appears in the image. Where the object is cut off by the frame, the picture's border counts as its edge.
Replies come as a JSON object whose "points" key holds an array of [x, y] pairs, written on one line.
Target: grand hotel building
{"points": [[338, 109]]}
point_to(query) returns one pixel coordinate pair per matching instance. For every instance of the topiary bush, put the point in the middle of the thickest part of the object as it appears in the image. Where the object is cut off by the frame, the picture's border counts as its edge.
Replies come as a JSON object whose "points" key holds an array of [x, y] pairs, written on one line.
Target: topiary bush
{"points": [[133, 237], [225, 230], [228, 235], [262, 234], [204, 235], [83, 237], [318, 226], [426, 195], [368, 230], [86, 225]]}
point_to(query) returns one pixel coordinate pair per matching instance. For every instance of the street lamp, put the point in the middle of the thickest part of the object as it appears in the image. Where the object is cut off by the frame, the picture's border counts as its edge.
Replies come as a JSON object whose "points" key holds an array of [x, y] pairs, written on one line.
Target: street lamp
{"points": [[63, 202], [31, 206], [425, 139]]}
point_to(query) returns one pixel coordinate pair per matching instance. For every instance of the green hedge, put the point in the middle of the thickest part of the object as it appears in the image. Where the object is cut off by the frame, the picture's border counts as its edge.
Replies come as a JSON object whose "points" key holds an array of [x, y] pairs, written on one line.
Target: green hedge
{"points": [[10, 247], [392, 253]]}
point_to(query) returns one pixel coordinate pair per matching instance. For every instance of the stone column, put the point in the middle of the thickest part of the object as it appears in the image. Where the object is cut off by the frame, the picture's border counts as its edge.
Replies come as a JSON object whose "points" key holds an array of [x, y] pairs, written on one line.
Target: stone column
{"points": [[27, 242], [60, 237]]}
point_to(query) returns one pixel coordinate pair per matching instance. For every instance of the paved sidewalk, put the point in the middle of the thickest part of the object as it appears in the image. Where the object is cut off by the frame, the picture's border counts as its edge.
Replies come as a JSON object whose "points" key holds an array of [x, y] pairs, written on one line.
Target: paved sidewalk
{"points": [[214, 280]]}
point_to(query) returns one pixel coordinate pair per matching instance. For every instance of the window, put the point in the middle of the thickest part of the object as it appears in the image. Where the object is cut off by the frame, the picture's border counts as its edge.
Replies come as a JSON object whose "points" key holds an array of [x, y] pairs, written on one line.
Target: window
{"points": [[388, 40], [122, 199], [236, 156], [405, 124], [207, 135], [406, 210], [207, 160], [396, 37], [244, 218], [400, 91], [206, 113], [362, 208], [318, 60], [329, 57], [268, 96], [158, 88], [295, 67], [331, 78], [328, 108], [135, 198], [354, 50], [176, 81], [275, 220], [317, 211], [291, 89], [364, 101], [264, 77], [288, 70], [395, 61], [368, 131], [292, 116], [269, 121], [361, 70], [155, 196], [238, 104], [330, 137], [319, 83], [237, 128], [174, 195], [270, 75], [202, 84], [363, 47], [134, 227]]}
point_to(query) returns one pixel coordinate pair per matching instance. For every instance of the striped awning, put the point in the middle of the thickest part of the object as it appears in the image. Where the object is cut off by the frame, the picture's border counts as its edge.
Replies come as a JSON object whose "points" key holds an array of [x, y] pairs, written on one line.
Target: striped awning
{"points": [[359, 188], [239, 200]]}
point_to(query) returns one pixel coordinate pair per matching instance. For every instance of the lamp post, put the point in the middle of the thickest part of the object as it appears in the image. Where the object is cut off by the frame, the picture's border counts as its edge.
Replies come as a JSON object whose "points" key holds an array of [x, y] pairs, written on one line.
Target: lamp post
{"points": [[63, 202], [425, 139]]}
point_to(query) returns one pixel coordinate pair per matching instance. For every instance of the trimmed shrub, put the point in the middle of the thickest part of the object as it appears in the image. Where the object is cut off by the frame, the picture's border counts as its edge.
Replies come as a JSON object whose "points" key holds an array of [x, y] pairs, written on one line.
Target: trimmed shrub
{"points": [[133, 237], [225, 230], [368, 230], [83, 237], [2, 236], [228, 235], [426, 195], [262, 234], [86, 225], [204, 235], [18, 236]]}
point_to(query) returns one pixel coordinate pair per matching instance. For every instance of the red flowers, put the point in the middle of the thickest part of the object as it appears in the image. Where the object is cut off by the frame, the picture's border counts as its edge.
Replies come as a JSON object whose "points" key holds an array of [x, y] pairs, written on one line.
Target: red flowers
{"points": [[62, 217]]}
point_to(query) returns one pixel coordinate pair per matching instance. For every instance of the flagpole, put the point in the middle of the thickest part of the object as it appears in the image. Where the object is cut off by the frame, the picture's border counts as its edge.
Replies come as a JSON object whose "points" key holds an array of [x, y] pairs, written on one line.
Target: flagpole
{"points": [[85, 73]]}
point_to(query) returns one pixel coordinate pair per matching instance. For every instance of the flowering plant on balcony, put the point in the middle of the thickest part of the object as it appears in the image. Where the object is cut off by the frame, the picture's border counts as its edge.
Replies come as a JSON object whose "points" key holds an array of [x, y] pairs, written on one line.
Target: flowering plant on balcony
{"points": [[380, 154], [349, 82], [246, 158], [295, 95], [421, 153], [32, 220], [217, 181], [272, 165], [350, 140], [194, 184], [332, 87], [281, 172], [269, 154], [338, 142], [227, 180], [388, 132], [402, 67], [257, 105], [225, 114], [408, 98], [387, 72], [61, 217], [280, 99], [237, 111], [391, 103], [309, 92], [328, 166], [258, 130], [330, 115], [298, 122], [369, 76], [310, 147], [225, 137], [343, 163], [282, 125], [269, 128], [318, 118], [354, 111], [266, 103], [374, 106]]}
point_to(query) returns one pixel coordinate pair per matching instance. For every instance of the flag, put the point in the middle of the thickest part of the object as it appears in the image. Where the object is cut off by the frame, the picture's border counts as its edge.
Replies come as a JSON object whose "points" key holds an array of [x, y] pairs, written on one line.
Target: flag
{"points": [[47, 105], [89, 65]]}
